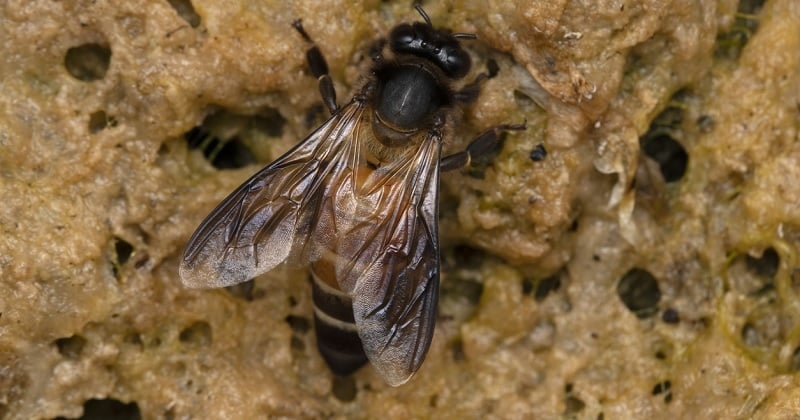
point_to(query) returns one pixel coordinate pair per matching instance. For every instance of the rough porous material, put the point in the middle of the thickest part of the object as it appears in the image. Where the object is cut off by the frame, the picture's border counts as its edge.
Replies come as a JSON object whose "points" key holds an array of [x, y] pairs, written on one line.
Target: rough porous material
{"points": [[633, 254]]}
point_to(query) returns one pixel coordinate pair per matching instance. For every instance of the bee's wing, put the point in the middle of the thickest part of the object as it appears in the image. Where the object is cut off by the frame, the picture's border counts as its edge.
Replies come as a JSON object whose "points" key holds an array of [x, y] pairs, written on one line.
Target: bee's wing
{"points": [[390, 262], [268, 218]]}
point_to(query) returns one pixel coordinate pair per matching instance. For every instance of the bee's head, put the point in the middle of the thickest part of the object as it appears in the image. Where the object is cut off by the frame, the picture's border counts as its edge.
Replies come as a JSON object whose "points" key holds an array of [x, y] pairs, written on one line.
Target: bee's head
{"points": [[439, 46]]}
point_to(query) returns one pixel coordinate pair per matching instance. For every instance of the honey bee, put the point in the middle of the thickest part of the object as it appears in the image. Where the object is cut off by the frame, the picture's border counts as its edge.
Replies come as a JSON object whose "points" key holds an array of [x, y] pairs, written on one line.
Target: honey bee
{"points": [[357, 202]]}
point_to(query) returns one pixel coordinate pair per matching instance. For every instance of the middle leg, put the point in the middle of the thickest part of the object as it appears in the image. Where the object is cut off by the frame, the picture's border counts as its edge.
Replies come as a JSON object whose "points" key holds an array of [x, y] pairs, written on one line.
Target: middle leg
{"points": [[319, 68], [480, 145]]}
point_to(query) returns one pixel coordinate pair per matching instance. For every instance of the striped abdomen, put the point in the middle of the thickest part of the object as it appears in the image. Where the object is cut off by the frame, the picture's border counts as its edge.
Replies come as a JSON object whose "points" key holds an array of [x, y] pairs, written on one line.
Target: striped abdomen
{"points": [[337, 337]]}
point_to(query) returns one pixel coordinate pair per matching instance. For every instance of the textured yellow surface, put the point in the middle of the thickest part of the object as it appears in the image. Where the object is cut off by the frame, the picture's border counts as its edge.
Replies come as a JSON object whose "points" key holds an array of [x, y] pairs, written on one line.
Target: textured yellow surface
{"points": [[95, 98]]}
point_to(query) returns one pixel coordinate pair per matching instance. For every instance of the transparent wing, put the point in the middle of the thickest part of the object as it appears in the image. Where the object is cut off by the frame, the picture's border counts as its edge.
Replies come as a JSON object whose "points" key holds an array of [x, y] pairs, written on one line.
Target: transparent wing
{"points": [[322, 200], [389, 261], [268, 219]]}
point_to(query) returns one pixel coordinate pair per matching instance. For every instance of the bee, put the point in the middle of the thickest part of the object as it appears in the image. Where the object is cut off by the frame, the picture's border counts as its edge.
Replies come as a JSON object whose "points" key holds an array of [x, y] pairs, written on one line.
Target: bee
{"points": [[357, 202]]}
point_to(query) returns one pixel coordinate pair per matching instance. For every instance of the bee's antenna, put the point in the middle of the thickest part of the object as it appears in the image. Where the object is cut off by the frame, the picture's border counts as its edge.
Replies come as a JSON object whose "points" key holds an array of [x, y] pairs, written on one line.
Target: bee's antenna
{"points": [[459, 35], [423, 14]]}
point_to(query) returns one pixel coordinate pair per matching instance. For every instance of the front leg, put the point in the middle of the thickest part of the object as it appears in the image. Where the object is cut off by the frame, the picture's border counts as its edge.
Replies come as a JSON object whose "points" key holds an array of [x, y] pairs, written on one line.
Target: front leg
{"points": [[319, 68], [376, 50], [482, 144]]}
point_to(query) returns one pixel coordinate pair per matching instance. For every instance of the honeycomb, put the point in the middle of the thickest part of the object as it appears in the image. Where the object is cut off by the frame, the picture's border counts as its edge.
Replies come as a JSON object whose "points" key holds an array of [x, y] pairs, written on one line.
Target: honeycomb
{"points": [[632, 254]]}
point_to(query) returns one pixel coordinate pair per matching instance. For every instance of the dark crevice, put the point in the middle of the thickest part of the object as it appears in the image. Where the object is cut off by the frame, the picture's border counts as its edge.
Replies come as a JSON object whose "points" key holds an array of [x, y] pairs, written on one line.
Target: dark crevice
{"points": [[492, 69], [71, 347], [198, 334], [186, 11], [538, 153], [670, 155], [663, 387], [315, 115], [233, 155], [659, 142], [299, 324], [729, 45], [99, 121], [546, 286], [244, 290], [670, 316], [88, 62], [344, 388], [523, 100], [121, 254], [109, 408], [458, 350], [270, 122], [527, 286], [572, 404], [123, 249], [639, 291], [765, 266], [464, 257], [225, 137]]}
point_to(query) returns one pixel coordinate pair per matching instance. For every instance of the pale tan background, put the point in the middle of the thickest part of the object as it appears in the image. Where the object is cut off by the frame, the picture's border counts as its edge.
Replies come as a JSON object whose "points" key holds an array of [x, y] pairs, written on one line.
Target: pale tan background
{"points": [[86, 165]]}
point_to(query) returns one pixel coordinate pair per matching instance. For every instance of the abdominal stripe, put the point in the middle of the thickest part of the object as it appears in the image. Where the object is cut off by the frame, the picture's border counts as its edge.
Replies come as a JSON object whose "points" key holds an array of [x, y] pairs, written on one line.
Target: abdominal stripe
{"points": [[334, 305]]}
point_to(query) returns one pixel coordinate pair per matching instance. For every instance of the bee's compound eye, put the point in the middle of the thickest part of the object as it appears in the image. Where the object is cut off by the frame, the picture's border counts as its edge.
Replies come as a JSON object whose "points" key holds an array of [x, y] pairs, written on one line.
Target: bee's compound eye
{"points": [[403, 38], [457, 62]]}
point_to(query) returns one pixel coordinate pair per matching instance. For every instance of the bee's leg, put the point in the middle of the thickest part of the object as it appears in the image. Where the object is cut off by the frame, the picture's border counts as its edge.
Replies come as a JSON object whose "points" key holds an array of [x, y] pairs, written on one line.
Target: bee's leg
{"points": [[482, 144], [469, 93], [319, 68], [376, 50]]}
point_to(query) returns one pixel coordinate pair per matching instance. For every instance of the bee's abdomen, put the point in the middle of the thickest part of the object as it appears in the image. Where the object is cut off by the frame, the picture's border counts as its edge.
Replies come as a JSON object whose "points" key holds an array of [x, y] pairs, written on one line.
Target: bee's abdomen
{"points": [[337, 337]]}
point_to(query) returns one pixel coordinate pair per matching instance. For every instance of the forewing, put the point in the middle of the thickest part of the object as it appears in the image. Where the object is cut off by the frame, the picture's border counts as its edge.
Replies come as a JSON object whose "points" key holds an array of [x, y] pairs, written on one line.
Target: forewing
{"points": [[268, 219], [391, 262]]}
